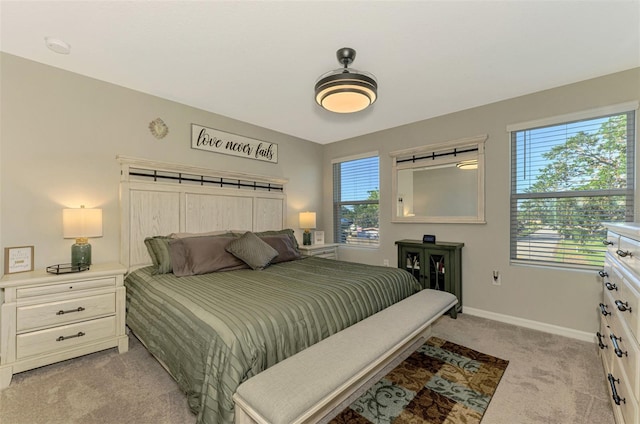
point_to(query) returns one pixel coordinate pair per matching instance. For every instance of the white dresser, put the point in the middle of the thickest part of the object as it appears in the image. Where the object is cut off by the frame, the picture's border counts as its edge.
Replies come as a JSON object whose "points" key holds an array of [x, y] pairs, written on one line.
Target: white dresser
{"points": [[46, 318], [620, 320]]}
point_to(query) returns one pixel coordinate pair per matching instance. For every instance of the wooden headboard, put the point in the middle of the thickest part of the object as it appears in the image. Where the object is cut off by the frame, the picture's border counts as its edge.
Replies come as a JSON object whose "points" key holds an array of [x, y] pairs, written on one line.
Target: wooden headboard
{"points": [[162, 198]]}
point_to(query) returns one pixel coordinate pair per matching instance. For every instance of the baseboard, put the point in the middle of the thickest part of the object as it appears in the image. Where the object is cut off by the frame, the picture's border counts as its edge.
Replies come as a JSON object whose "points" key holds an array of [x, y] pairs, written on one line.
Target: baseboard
{"points": [[534, 325]]}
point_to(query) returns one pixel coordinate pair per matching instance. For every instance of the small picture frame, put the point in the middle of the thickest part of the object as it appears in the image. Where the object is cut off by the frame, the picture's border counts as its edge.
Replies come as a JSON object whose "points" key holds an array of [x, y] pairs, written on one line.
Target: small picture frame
{"points": [[18, 259], [318, 237]]}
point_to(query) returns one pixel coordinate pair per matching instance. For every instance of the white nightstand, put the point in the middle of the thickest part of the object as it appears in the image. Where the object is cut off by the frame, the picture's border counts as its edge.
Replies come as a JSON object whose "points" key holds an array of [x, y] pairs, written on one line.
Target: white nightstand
{"points": [[329, 251], [46, 318]]}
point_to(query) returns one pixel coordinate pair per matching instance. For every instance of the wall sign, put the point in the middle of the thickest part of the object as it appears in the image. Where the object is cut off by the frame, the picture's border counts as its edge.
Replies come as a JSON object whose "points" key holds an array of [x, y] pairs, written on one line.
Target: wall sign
{"points": [[217, 141], [18, 259]]}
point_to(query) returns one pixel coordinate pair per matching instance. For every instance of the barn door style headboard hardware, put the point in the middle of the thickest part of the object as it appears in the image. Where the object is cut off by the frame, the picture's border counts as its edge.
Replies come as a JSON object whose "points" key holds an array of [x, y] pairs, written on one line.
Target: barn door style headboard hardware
{"points": [[158, 198]]}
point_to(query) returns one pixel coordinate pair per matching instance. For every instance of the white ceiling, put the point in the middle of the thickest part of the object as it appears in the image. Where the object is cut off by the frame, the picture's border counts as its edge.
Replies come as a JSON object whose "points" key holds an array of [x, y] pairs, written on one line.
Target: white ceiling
{"points": [[257, 61]]}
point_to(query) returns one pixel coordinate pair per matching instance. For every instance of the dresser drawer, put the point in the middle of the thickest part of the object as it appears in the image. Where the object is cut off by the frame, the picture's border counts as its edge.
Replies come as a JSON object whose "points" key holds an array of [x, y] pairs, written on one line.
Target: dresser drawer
{"points": [[603, 340], [607, 309], [66, 311], [607, 272], [67, 287], [628, 407], [627, 354], [628, 254], [67, 336], [612, 242], [625, 300]]}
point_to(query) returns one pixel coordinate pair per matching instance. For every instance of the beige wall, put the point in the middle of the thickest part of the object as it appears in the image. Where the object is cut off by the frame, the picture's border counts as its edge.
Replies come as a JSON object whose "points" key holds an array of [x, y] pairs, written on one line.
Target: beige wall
{"points": [[60, 134], [560, 297]]}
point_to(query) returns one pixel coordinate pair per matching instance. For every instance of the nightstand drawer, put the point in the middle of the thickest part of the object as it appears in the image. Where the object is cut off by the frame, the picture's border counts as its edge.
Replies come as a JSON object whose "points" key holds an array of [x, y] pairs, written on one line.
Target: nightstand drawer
{"points": [[328, 254], [67, 287], [327, 251], [60, 338], [63, 312]]}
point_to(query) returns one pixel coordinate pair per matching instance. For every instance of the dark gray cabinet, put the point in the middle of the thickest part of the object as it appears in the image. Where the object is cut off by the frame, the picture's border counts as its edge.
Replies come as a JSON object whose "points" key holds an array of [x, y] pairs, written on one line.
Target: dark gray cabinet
{"points": [[436, 266]]}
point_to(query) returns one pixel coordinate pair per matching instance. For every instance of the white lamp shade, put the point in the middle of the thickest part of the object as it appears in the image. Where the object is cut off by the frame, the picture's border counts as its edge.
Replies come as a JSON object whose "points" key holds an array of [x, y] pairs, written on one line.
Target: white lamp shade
{"points": [[307, 220], [81, 222]]}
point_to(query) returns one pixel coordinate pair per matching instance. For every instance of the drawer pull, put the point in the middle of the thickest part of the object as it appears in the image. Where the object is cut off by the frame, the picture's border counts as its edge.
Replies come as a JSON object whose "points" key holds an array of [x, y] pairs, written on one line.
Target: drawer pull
{"points": [[62, 338], [600, 344], [612, 382], [623, 253], [61, 312], [603, 310], [616, 348], [610, 286], [623, 306], [607, 243], [603, 274]]}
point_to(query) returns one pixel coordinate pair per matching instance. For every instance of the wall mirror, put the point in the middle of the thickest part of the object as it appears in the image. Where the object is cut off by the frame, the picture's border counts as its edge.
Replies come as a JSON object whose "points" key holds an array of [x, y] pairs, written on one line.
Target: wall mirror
{"points": [[440, 183]]}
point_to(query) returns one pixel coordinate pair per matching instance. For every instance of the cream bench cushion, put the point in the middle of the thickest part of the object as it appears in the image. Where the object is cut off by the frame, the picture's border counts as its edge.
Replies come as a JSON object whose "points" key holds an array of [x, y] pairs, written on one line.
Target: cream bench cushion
{"points": [[312, 383]]}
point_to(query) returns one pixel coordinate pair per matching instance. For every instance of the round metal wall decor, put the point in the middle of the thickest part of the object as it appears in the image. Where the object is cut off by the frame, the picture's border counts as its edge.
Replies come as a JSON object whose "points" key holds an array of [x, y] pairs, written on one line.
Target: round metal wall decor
{"points": [[158, 128]]}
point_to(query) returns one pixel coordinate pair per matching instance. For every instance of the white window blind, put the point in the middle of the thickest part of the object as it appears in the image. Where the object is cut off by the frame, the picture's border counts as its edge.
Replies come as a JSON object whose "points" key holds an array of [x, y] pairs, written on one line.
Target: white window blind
{"points": [[566, 179], [356, 197]]}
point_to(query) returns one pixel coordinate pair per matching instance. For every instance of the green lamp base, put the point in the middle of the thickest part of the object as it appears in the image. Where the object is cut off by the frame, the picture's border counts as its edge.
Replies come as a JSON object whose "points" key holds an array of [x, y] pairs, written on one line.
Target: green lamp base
{"points": [[80, 254]]}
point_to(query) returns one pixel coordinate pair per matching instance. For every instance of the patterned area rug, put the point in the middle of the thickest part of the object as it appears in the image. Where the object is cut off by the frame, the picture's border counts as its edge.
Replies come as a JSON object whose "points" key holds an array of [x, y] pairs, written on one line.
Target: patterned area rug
{"points": [[441, 382]]}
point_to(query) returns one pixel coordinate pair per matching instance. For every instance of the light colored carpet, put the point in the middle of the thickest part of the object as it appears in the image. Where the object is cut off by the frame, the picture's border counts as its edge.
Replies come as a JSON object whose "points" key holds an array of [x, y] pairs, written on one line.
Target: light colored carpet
{"points": [[550, 379]]}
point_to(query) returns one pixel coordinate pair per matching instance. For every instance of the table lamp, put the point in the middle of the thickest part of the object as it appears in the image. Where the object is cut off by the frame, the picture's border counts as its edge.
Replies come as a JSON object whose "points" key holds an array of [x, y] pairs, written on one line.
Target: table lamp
{"points": [[81, 223], [307, 222]]}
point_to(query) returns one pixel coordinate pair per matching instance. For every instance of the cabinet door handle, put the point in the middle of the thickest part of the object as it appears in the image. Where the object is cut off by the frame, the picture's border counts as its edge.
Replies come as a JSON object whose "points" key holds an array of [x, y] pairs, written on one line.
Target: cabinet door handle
{"points": [[603, 274], [62, 338], [612, 382], [610, 286], [61, 312], [623, 306], [607, 243], [623, 253], [600, 344], [603, 310], [616, 347]]}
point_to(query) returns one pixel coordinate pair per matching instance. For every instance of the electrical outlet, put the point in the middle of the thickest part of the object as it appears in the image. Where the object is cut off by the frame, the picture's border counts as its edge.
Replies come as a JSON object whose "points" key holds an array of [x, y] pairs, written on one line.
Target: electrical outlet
{"points": [[496, 278], [385, 262]]}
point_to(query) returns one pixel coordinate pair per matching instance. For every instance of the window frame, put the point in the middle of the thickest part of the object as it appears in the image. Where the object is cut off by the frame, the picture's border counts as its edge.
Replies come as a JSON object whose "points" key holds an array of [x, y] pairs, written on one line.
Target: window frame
{"points": [[337, 205], [631, 190]]}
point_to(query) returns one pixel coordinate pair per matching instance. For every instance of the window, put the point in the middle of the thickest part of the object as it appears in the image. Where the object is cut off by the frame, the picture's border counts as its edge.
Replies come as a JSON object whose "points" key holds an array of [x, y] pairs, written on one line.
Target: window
{"points": [[356, 194], [566, 179]]}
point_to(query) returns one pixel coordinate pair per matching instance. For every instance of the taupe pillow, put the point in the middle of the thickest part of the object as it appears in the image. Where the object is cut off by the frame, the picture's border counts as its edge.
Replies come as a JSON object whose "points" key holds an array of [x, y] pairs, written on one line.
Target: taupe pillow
{"points": [[287, 231], [202, 255], [284, 246], [252, 250], [158, 248]]}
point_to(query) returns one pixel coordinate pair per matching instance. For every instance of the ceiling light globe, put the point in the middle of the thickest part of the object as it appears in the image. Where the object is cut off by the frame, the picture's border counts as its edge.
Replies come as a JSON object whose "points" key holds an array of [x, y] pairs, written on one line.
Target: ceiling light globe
{"points": [[345, 101], [346, 90]]}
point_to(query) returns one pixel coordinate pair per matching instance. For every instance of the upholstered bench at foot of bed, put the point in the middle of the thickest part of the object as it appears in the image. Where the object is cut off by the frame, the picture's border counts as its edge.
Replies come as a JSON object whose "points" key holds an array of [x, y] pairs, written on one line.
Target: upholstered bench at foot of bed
{"points": [[320, 381]]}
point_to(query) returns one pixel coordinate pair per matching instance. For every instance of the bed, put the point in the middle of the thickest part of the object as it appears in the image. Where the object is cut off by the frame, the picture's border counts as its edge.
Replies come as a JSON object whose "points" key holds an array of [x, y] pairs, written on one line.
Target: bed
{"points": [[213, 330]]}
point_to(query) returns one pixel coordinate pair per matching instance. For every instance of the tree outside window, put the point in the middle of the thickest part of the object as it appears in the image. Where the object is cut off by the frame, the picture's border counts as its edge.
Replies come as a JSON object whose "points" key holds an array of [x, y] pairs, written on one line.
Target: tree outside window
{"points": [[566, 181], [356, 201]]}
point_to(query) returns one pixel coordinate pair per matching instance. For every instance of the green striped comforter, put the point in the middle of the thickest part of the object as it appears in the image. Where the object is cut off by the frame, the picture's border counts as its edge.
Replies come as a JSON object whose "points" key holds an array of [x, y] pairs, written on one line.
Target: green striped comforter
{"points": [[214, 331]]}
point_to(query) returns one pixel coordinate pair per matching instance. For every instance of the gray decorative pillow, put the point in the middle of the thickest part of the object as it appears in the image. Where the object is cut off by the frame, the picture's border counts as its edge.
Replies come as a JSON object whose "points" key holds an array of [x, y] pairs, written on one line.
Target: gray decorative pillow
{"points": [[158, 248], [252, 250], [202, 255]]}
